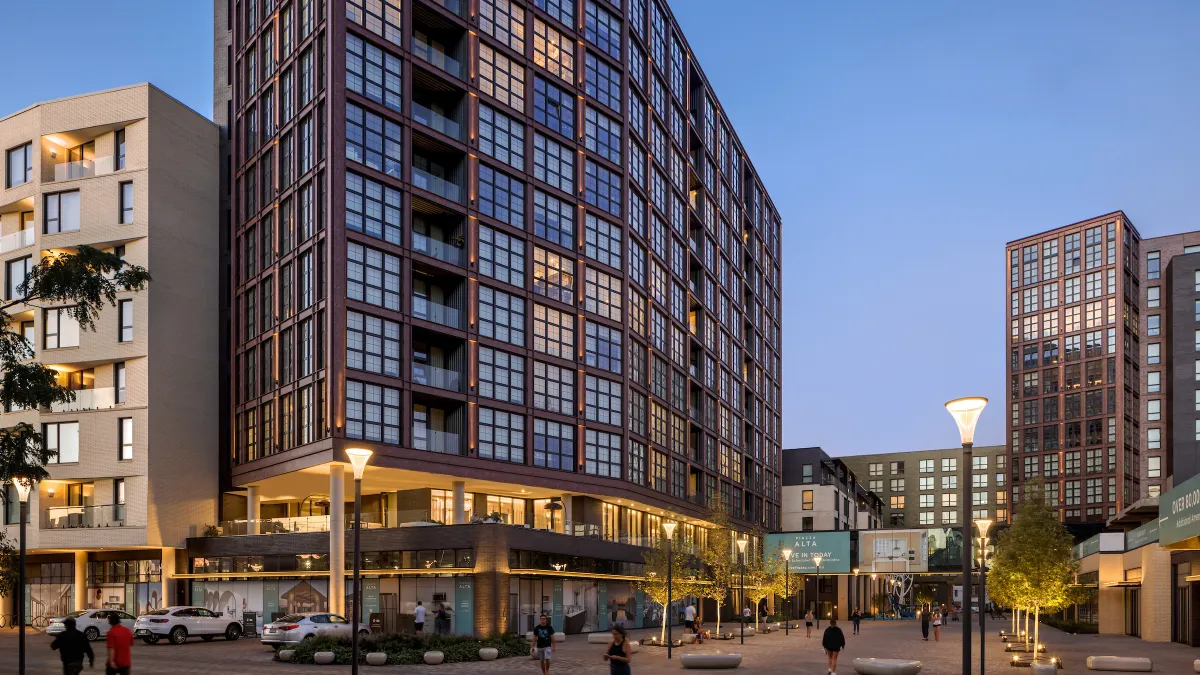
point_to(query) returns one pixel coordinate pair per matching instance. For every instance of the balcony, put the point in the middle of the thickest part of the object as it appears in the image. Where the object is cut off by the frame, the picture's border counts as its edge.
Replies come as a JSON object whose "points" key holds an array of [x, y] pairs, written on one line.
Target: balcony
{"points": [[16, 240], [436, 121], [455, 255], [432, 376], [83, 168], [74, 517], [455, 6], [88, 399], [437, 313], [433, 440], [298, 524], [438, 186]]}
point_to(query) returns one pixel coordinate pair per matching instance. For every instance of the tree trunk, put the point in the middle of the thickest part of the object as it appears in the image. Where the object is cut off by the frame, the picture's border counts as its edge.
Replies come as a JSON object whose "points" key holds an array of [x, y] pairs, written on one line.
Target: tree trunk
{"points": [[1037, 631], [663, 634], [1026, 630]]}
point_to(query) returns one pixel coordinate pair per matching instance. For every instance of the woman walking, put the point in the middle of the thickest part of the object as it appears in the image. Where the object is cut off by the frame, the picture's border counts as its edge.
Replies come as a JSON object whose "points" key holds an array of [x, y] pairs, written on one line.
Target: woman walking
{"points": [[833, 642], [619, 654], [937, 625], [808, 619]]}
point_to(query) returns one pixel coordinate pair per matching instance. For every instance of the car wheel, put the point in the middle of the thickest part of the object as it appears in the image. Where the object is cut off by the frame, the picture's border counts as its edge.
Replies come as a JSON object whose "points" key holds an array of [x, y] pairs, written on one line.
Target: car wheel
{"points": [[150, 639], [207, 638], [178, 635], [233, 632], [309, 637], [364, 632], [92, 633]]}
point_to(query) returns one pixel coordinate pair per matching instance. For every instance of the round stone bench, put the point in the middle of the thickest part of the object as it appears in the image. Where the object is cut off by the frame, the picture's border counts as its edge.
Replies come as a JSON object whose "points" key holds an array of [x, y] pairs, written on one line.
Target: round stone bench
{"points": [[489, 654], [1043, 668], [289, 655], [710, 661], [599, 638], [635, 646], [434, 658], [1132, 664], [1196, 665], [886, 666], [737, 632], [687, 638], [377, 659], [323, 658]]}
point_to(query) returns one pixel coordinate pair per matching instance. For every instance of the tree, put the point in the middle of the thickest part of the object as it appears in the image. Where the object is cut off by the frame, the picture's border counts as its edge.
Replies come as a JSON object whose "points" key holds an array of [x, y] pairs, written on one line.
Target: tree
{"points": [[925, 596], [654, 581], [764, 574], [718, 559], [9, 560]]}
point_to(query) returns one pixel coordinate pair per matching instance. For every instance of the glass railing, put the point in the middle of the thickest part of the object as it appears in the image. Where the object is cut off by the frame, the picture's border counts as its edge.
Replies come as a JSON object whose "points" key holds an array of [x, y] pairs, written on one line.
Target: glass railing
{"points": [[293, 525], [437, 441], [437, 59], [88, 399], [436, 121], [455, 6], [438, 186], [16, 240], [83, 168], [432, 376], [455, 255], [70, 517], [437, 313]]}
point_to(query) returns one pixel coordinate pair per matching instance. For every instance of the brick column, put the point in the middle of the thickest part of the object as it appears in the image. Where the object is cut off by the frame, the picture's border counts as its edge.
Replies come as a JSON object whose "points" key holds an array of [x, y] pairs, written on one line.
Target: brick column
{"points": [[1155, 597], [81, 600], [1111, 599], [491, 581], [337, 540]]}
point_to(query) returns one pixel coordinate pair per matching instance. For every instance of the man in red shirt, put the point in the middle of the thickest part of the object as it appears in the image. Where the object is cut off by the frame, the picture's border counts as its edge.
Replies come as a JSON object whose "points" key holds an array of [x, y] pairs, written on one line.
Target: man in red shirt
{"points": [[119, 642]]}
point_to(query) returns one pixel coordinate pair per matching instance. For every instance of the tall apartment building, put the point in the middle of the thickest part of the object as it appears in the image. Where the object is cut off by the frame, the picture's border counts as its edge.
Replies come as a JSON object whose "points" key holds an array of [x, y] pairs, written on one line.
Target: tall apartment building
{"points": [[921, 488], [1072, 360], [134, 172], [821, 493], [517, 250]]}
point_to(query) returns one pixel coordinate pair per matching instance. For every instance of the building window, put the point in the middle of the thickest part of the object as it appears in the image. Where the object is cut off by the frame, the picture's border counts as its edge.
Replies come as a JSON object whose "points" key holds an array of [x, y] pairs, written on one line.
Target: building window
{"points": [[62, 330], [61, 212], [553, 388], [603, 29], [897, 468], [875, 469], [925, 466], [563, 10], [554, 445], [553, 220], [119, 381], [553, 164], [1154, 439], [501, 256], [949, 499], [553, 275], [501, 435], [949, 517], [20, 165], [553, 107], [373, 277], [501, 196], [603, 188], [949, 464], [125, 314], [373, 209], [602, 454], [1154, 467], [501, 376], [125, 215], [949, 482], [553, 332], [603, 135], [373, 73], [125, 436], [502, 316], [637, 463], [602, 294], [927, 501], [1154, 410], [501, 137], [603, 347], [501, 78], [806, 500], [603, 83], [897, 485], [372, 344], [372, 412], [504, 21], [926, 518], [1153, 263], [61, 439], [1153, 324], [1153, 382], [1152, 353], [1152, 296], [553, 51], [602, 400], [374, 141], [602, 241], [897, 502], [875, 486], [15, 273], [927, 483]]}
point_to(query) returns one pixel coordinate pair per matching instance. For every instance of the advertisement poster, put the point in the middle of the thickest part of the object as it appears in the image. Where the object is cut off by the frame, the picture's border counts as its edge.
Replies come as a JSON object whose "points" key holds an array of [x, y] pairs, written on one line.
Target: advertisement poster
{"points": [[464, 602], [602, 602], [557, 614], [832, 547], [894, 551]]}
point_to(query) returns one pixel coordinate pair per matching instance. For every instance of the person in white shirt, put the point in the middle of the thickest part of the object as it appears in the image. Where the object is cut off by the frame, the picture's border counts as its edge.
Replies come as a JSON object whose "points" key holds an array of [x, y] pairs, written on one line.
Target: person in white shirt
{"points": [[419, 619], [689, 617]]}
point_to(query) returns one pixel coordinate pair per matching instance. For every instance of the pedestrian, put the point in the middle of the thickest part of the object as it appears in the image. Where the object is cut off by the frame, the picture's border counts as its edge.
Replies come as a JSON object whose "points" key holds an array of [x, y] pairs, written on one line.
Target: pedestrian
{"points": [[543, 643], [72, 646], [619, 652], [937, 625], [833, 642], [119, 642], [441, 621], [856, 617], [689, 617], [808, 619], [925, 624], [419, 619]]}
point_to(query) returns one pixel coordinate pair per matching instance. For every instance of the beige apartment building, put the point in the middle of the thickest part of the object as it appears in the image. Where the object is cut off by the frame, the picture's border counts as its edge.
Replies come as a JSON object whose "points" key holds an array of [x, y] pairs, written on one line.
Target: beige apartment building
{"points": [[134, 172]]}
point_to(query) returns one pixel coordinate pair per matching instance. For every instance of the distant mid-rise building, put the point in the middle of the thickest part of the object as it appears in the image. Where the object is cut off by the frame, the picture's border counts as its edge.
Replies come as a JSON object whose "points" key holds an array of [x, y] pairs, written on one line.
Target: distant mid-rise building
{"points": [[822, 493]]}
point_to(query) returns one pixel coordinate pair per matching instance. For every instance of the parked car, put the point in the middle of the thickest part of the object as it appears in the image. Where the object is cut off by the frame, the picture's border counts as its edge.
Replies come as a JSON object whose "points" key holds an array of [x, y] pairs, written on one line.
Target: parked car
{"points": [[93, 623], [177, 624], [295, 628]]}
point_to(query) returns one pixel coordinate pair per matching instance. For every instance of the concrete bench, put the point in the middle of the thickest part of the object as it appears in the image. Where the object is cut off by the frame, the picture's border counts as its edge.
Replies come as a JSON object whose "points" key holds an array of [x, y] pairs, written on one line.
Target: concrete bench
{"points": [[1132, 664], [886, 666], [710, 661], [487, 654], [434, 658], [1195, 665], [377, 659], [687, 639], [558, 637], [599, 638], [1043, 669]]}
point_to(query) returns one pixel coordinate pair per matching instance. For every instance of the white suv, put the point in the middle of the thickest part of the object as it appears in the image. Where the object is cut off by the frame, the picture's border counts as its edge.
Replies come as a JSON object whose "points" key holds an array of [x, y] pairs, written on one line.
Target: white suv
{"points": [[177, 624]]}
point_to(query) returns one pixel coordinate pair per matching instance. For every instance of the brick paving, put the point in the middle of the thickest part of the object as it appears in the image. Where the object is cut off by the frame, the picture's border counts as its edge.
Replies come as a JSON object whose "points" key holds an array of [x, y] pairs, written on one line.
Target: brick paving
{"points": [[774, 653]]}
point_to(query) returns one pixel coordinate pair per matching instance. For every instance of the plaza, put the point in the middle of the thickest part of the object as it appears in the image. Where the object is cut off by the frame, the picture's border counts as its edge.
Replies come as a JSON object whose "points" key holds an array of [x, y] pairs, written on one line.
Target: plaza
{"points": [[772, 653]]}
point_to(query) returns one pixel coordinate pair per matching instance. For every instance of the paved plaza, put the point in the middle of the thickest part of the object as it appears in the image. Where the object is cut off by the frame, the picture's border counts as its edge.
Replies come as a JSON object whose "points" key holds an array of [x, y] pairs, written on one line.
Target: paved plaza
{"points": [[775, 653]]}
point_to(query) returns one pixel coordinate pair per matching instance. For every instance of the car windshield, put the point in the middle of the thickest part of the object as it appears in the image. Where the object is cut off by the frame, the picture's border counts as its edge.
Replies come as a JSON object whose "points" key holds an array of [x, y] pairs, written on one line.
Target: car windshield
{"points": [[76, 615], [158, 612], [290, 618]]}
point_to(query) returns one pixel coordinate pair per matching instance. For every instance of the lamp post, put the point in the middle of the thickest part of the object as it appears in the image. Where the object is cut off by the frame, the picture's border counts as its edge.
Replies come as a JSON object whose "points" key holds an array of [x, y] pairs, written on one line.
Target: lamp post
{"points": [[742, 569], [854, 591], [874, 610], [358, 460], [787, 590], [669, 529], [23, 486], [983, 524], [817, 560], [966, 412]]}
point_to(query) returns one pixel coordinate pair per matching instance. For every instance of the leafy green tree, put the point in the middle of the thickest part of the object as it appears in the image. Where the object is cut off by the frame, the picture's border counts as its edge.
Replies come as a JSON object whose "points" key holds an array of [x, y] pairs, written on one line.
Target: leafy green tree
{"points": [[764, 574], [718, 559], [925, 596], [654, 580]]}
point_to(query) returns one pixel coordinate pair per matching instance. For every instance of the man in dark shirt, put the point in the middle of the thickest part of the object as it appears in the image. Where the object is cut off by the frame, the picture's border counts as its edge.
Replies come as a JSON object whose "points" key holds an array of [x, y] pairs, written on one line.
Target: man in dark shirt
{"points": [[925, 624], [119, 643], [833, 641], [72, 646], [543, 643]]}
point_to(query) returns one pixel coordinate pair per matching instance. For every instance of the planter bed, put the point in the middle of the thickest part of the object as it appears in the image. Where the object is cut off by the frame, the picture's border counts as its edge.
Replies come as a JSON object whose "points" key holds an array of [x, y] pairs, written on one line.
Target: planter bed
{"points": [[409, 650]]}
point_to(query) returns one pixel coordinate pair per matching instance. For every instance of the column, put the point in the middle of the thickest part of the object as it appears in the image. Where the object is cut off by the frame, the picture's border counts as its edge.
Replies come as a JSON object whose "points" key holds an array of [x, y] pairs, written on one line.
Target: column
{"points": [[460, 502], [1111, 598], [568, 522], [337, 540], [252, 509], [1154, 599], [166, 592], [81, 580]]}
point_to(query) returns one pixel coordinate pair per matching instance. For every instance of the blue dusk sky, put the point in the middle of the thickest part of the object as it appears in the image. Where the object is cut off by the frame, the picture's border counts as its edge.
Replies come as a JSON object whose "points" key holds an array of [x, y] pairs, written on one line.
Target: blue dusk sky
{"points": [[903, 143]]}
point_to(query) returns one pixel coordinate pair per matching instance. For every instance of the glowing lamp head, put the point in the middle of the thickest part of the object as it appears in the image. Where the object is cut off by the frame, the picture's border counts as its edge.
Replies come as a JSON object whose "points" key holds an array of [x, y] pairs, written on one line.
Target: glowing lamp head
{"points": [[23, 486], [966, 412], [742, 544], [855, 571], [669, 528], [817, 560], [358, 459], [787, 553], [983, 524]]}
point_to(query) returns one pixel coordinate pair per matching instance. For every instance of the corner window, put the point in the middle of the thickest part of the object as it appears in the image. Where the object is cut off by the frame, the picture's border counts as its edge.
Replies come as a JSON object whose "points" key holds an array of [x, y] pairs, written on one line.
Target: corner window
{"points": [[20, 165], [61, 212], [15, 272]]}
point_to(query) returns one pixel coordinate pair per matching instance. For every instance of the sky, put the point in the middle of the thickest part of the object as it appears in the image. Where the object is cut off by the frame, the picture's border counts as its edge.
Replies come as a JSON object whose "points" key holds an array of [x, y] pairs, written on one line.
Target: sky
{"points": [[902, 143]]}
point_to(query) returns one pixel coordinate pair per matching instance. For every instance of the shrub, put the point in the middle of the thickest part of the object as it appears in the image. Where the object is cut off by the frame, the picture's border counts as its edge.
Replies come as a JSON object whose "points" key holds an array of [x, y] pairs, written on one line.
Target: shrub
{"points": [[410, 650], [1068, 626]]}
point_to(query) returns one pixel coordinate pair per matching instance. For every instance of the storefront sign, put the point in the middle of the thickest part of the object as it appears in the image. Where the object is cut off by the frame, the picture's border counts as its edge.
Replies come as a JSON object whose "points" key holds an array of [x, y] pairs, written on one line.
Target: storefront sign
{"points": [[1089, 547], [602, 603], [131, 599], [639, 606], [370, 599], [1179, 516], [271, 600], [197, 594], [556, 616], [832, 547], [1146, 534], [464, 604]]}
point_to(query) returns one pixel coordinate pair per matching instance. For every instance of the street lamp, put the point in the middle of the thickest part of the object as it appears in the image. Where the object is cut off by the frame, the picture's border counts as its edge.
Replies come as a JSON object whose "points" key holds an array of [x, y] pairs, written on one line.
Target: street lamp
{"points": [[854, 591], [966, 412], [983, 524], [669, 529], [817, 560], [742, 568], [358, 460], [787, 589], [23, 486]]}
